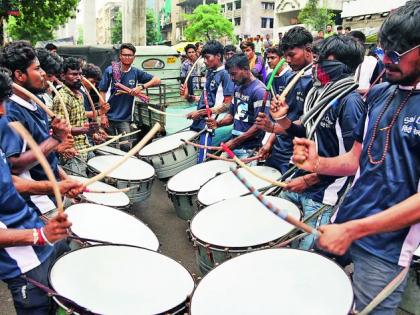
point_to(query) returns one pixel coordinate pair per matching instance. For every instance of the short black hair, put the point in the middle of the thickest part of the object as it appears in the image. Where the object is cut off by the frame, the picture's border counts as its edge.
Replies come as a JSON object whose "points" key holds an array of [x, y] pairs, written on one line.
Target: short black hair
{"points": [[247, 44], [345, 49], [128, 46], [229, 48], [401, 29], [50, 62], [347, 28], [316, 45], [5, 84], [239, 60], [213, 47], [339, 28], [359, 36], [197, 44], [18, 55], [297, 36], [92, 71], [274, 50], [71, 63], [190, 46], [329, 24], [51, 46]]}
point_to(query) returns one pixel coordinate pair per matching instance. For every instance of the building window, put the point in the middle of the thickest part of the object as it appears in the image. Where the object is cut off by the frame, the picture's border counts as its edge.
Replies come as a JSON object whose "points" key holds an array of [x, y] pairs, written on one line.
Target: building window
{"points": [[237, 4], [223, 8], [267, 5], [267, 22], [229, 6], [237, 21]]}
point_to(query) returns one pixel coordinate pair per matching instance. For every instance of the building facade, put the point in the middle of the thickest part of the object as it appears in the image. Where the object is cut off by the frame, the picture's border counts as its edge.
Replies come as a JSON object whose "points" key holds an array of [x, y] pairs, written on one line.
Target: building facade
{"points": [[105, 22], [249, 17]]}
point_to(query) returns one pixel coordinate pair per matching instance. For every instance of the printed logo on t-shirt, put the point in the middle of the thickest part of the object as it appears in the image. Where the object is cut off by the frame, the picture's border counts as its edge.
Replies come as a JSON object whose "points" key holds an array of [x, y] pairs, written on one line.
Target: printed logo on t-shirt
{"points": [[411, 125], [242, 112], [132, 83], [326, 122]]}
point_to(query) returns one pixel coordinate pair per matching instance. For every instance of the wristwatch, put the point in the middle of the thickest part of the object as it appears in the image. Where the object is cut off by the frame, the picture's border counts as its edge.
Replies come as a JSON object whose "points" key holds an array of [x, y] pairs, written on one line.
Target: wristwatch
{"points": [[142, 86]]}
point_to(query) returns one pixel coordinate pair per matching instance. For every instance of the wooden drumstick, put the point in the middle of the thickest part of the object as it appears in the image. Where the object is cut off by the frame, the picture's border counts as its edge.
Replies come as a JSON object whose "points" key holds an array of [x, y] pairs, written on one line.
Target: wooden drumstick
{"points": [[250, 170], [129, 154], [92, 105], [21, 130], [94, 88], [277, 211], [165, 113], [63, 105], [35, 99], [113, 139], [191, 70]]}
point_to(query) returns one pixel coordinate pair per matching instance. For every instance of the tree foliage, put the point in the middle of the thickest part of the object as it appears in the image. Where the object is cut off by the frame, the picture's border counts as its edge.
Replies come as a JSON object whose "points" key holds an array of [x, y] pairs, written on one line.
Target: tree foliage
{"points": [[38, 19], [207, 22], [151, 28], [315, 17], [116, 30]]}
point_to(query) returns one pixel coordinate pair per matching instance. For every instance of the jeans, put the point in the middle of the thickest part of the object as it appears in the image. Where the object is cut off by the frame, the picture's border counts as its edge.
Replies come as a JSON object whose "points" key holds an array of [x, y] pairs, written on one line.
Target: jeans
{"points": [[371, 275], [117, 127], [308, 207], [29, 299], [242, 154]]}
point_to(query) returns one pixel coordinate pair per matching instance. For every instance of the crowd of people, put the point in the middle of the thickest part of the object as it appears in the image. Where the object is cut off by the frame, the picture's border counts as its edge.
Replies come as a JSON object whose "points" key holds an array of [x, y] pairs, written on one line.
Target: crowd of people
{"points": [[342, 128]]}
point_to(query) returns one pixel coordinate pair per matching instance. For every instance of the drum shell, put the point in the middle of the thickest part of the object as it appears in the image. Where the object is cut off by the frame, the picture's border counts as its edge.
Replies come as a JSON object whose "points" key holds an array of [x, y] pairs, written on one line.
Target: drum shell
{"points": [[82, 199], [139, 194], [185, 204], [410, 301], [169, 163]]}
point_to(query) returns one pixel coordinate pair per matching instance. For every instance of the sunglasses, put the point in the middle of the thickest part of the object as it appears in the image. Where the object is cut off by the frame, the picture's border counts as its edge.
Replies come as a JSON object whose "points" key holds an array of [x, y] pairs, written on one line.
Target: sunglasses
{"points": [[395, 57]]}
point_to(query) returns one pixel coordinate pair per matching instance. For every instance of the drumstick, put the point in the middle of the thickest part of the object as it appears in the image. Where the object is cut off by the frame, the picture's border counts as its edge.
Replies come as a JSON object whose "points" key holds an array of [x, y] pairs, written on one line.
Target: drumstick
{"points": [[21, 130], [92, 105], [277, 211], [129, 154], [165, 113], [191, 70], [294, 81], [35, 99], [250, 170], [270, 84], [94, 88], [124, 190], [201, 146], [63, 105], [113, 139], [246, 160]]}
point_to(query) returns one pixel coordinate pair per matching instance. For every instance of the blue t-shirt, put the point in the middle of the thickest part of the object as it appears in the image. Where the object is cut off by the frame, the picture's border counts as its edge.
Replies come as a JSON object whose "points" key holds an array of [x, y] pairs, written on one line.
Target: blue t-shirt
{"points": [[334, 136], [15, 214], [280, 82], [35, 120], [283, 146], [121, 105], [378, 187], [218, 85], [246, 105]]}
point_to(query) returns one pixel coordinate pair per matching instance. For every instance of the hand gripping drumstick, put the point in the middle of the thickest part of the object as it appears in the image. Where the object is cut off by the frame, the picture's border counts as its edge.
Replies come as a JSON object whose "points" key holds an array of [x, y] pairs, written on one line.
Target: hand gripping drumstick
{"points": [[63, 105], [250, 170], [113, 139], [129, 154], [35, 99], [18, 127], [270, 84], [277, 211]]}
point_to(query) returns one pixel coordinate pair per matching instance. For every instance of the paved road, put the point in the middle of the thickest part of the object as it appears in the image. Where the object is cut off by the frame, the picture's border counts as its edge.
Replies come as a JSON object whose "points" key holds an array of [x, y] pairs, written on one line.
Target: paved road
{"points": [[158, 213]]}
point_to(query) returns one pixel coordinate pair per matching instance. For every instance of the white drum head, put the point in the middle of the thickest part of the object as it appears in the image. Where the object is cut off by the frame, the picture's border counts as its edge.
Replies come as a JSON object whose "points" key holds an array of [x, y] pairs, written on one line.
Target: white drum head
{"points": [[132, 169], [107, 224], [417, 252], [227, 186], [111, 150], [121, 280], [242, 222], [274, 281], [192, 178], [167, 143], [116, 199]]}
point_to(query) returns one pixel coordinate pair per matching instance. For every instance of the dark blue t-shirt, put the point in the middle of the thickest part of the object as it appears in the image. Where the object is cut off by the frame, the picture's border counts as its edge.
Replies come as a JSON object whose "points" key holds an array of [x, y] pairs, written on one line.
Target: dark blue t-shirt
{"points": [[334, 136], [122, 105], [283, 145], [380, 186], [218, 85], [35, 120], [246, 105], [15, 214]]}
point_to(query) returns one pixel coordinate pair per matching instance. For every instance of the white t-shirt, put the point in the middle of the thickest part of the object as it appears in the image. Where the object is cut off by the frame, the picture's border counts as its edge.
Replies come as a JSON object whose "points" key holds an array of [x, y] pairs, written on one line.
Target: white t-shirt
{"points": [[364, 72]]}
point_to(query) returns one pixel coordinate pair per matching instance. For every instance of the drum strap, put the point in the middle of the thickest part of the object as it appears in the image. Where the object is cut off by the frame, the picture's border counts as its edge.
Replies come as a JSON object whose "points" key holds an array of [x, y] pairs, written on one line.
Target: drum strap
{"points": [[50, 292]]}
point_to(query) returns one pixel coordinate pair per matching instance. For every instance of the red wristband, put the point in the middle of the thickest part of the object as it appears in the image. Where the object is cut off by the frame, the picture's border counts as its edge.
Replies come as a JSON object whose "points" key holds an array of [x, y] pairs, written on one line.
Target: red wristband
{"points": [[41, 240]]}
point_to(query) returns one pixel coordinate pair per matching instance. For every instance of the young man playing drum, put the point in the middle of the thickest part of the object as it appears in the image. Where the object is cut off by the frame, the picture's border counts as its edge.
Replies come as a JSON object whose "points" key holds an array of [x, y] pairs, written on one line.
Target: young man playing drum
{"points": [[217, 93], [378, 222], [24, 237], [246, 104]]}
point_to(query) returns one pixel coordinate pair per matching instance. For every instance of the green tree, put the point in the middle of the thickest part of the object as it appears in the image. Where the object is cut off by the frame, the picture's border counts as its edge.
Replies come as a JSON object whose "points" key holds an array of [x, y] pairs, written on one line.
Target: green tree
{"points": [[206, 22], [116, 31], [151, 28], [315, 17], [38, 20]]}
